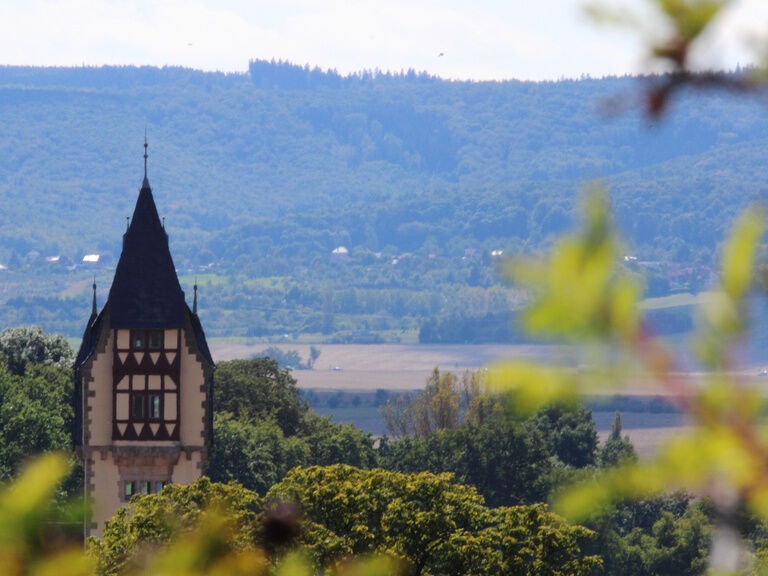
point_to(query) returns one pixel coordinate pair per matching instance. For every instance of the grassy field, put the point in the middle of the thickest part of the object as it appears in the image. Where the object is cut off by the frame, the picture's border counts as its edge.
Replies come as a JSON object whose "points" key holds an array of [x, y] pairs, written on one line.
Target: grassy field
{"points": [[681, 299], [391, 366]]}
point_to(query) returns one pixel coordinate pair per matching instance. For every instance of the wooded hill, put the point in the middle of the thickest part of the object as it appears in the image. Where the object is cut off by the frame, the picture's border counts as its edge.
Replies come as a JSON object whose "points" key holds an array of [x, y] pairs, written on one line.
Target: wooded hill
{"points": [[262, 175]]}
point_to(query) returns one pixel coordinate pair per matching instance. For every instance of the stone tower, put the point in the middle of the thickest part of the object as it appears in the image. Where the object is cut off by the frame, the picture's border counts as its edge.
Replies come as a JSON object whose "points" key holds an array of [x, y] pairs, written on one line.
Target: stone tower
{"points": [[143, 376]]}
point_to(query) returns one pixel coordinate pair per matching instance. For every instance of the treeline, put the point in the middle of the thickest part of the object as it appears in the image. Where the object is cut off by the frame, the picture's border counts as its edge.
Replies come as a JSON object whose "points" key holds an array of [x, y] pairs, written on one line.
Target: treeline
{"points": [[502, 328], [286, 75]]}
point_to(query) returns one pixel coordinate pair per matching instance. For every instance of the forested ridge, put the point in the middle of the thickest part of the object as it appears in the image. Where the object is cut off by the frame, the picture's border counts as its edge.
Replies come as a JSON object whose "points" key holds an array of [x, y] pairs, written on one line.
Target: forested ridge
{"points": [[262, 175]]}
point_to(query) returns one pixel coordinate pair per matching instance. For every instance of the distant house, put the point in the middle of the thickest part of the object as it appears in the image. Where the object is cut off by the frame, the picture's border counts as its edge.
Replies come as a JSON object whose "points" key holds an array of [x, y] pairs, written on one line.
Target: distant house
{"points": [[52, 259], [91, 258], [340, 253]]}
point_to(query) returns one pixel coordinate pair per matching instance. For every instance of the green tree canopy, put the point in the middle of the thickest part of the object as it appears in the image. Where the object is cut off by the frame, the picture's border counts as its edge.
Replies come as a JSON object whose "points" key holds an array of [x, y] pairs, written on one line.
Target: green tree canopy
{"points": [[617, 449], [29, 344], [155, 519], [35, 414], [332, 443], [255, 454], [432, 524], [258, 389], [507, 462], [570, 434]]}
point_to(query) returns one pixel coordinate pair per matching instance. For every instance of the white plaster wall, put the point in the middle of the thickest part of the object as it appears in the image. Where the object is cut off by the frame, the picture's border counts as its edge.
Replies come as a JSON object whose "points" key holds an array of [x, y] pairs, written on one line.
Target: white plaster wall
{"points": [[192, 399], [107, 491], [100, 405]]}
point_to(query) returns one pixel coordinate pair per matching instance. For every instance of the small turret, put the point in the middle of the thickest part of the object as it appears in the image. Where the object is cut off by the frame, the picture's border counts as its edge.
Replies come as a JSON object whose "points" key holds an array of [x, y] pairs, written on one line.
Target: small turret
{"points": [[94, 310]]}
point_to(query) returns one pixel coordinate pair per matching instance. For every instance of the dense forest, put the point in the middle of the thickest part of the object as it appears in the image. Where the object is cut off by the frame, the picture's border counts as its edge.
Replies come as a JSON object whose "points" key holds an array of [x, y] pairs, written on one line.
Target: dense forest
{"points": [[426, 183]]}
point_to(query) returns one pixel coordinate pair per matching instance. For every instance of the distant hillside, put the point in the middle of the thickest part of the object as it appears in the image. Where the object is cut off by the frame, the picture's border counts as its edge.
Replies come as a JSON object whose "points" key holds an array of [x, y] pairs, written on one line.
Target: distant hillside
{"points": [[262, 175]]}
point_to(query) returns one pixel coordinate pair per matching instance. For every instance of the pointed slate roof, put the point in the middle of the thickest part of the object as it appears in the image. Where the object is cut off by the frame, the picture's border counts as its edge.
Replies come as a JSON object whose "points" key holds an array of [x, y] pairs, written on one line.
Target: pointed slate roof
{"points": [[145, 292]]}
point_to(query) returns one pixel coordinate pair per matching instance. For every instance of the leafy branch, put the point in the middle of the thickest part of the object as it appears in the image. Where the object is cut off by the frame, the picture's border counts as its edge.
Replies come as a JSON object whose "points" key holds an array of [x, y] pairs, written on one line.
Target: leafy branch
{"points": [[684, 23], [581, 295]]}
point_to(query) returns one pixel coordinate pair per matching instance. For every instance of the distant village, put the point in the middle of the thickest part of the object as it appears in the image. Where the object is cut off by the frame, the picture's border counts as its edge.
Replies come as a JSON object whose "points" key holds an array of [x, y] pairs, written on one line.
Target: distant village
{"points": [[678, 275]]}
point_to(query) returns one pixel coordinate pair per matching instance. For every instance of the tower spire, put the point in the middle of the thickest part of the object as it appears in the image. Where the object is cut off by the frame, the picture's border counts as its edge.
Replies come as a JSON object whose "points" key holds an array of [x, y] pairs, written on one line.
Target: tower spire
{"points": [[146, 180], [194, 299]]}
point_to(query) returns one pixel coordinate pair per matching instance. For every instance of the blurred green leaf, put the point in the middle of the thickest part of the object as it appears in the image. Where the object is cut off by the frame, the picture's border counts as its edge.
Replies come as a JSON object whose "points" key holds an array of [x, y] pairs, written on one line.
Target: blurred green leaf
{"points": [[294, 564], [580, 293], [533, 386], [739, 254], [691, 17], [27, 501]]}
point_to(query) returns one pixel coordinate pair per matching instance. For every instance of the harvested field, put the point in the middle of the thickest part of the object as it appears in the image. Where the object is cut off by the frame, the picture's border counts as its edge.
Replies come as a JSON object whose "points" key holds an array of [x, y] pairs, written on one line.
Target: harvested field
{"points": [[391, 366], [406, 367]]}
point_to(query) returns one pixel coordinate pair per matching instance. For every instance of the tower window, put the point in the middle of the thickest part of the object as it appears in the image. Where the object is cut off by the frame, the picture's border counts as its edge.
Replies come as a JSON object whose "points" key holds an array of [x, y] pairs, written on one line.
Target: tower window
{"points": [[154, 406], [137, 407], [129, 489], [143, 339], [138, 341], [155, 338]]}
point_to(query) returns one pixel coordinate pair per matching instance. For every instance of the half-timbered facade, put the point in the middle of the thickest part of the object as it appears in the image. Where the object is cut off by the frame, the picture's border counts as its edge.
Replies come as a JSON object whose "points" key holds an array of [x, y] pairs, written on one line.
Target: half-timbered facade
{"points": [[144, 376]]}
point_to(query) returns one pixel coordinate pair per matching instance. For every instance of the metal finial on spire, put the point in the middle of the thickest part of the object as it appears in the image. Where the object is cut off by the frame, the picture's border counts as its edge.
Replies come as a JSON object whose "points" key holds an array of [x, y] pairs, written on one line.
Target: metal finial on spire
{"points": [[163, 222], [194, 299], [127, 223], [93, 307]]}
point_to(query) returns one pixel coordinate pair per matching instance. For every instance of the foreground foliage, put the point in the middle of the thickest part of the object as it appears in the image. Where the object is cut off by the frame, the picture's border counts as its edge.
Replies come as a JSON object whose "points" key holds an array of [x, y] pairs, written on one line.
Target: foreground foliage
{"points": [[431, 524], [174, 512], [423, 523], [581, 295]]}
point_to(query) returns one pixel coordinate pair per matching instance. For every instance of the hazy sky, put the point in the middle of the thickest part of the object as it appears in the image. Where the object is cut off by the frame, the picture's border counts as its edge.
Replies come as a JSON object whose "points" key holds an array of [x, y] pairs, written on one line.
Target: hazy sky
{"points": [[479, 39]]}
